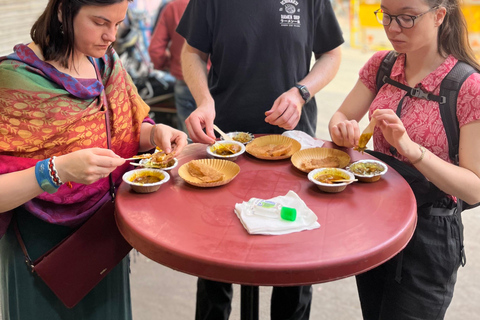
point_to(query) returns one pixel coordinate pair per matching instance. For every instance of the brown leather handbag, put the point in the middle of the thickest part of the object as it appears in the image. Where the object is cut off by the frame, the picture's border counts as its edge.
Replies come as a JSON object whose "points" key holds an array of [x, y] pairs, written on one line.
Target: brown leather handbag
{"points": [[79, 262]]}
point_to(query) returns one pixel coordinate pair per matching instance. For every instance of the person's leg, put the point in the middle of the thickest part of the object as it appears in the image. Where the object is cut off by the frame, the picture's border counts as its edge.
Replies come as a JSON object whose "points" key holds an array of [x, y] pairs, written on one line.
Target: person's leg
{"points": [[291, 303], [419, 282], [184, 103], [370, 286], [213, 300], [429, 271]]}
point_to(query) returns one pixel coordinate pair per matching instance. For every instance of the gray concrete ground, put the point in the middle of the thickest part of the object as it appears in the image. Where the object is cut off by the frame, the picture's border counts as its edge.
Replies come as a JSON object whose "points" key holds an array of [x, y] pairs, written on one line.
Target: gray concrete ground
{"points": [[162, 293]]}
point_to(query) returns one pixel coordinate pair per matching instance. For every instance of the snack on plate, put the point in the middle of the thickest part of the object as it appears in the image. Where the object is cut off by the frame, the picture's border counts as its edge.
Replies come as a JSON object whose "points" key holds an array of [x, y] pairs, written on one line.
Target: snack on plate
{"points": [[273, 150], [162, 159], [142, 156], [328, 162], [204, 172]]}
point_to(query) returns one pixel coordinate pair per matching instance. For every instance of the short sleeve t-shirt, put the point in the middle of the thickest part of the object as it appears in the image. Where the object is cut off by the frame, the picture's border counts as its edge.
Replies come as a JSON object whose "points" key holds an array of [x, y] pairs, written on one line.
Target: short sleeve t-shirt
{"points": [[421, 117], [259, 50]]}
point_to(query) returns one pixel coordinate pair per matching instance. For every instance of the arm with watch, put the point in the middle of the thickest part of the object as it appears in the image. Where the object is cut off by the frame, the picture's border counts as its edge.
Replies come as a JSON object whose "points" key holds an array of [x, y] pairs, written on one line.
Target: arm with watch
{"points": [[287, 108]]}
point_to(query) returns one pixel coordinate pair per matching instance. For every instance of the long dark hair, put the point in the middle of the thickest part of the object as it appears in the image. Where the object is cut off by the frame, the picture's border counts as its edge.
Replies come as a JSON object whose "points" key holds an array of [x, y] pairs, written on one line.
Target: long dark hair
{"points": [[55, 38], [453, 33]]}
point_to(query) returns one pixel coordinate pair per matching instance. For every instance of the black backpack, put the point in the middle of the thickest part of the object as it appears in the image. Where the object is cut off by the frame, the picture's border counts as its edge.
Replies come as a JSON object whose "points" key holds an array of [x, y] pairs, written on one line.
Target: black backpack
{"points": [[447, 100]]}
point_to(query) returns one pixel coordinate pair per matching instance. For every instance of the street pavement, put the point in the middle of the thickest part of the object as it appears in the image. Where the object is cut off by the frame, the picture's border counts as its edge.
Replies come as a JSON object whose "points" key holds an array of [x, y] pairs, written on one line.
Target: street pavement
{"points": [[162, 293]]}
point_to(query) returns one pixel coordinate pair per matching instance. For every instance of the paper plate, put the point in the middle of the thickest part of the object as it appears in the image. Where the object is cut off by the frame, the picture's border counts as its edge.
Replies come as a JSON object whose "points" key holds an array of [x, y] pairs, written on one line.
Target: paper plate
{"points": [[228, 168], [333, 158], [251, 148]]}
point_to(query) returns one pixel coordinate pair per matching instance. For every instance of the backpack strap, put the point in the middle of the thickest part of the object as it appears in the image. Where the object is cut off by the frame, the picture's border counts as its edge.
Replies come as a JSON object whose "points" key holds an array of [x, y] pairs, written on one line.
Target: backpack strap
{"points": [[449, 88], [386, 68]]}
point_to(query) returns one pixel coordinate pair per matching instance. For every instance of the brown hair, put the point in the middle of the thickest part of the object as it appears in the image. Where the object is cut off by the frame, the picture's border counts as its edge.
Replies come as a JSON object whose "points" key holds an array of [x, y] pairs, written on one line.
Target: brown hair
{"points": [[453, 33], [55, 38]]}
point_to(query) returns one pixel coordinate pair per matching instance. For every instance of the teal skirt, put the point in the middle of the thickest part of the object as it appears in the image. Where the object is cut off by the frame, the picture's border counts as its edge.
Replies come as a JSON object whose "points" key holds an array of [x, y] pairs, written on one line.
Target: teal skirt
{"points": [[24, 296]]}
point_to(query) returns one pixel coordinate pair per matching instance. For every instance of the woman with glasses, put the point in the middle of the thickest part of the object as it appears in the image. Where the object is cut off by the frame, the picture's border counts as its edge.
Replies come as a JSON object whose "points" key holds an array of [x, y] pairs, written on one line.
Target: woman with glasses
{"points": [[429, 37]]}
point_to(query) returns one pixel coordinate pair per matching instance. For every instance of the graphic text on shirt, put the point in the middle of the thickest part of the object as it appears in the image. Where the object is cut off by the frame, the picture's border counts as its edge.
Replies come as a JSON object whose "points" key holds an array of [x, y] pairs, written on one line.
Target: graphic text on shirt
{"points": [[288, 18]]}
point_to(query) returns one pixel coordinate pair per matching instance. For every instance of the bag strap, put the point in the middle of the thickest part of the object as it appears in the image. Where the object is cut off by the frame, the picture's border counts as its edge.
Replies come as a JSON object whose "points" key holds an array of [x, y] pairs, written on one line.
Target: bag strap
{"points": [[103, 96], [449, 88], [31, 264], [385, 68]]}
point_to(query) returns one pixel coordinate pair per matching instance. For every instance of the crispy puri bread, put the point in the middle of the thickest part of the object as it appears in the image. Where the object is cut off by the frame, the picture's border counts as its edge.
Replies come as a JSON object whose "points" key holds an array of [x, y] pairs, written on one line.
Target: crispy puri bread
{"points": [[204, 172], [272, 150], [161, 158], [328, 162]]}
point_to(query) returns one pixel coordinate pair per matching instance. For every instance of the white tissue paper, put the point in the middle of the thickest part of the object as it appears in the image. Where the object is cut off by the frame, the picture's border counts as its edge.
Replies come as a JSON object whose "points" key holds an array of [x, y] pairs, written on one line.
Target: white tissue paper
{"points": [[305, 140], [256, 224]]}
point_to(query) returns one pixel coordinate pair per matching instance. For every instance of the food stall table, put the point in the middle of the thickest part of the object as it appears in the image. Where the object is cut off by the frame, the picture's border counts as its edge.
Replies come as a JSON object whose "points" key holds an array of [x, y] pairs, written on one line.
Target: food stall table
{"points": [[196, 231]]}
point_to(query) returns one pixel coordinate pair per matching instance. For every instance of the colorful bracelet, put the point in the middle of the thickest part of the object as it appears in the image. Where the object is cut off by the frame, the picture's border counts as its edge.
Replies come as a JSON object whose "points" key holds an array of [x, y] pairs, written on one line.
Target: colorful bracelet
{"points": [[53, 172], [152, 136], [42, 174]]}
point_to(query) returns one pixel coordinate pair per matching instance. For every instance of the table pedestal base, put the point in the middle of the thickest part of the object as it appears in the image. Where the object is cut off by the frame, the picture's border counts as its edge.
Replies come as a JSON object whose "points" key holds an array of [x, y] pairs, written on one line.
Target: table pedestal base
{"points": [[249, 303]]}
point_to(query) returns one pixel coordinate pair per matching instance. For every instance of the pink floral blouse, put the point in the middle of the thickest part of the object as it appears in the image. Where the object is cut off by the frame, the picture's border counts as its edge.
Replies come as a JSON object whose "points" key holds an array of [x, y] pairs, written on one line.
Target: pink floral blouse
{"points": [[420, 117]]}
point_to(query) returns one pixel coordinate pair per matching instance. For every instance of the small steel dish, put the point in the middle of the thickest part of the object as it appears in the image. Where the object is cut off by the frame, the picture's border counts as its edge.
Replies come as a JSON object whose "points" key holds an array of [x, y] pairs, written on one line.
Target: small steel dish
{"points": [[368, 177], [242, 137], [129, 176], [220, 144], [331, 187]]}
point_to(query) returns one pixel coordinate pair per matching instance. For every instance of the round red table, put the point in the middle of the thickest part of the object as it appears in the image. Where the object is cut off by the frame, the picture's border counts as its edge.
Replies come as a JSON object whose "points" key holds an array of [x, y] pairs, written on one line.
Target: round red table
{"points": [[196, 231]]}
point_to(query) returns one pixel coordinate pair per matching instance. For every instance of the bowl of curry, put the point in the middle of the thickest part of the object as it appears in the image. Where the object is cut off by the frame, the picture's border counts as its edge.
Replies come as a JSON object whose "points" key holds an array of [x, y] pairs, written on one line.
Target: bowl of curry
{"points": [[368, 170], [331, 180], [146, 180], [226, 150]]}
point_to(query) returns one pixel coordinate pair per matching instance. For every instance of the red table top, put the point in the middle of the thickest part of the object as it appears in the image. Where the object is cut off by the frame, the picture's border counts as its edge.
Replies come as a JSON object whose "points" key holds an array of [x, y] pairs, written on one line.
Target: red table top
{"points": [[196, 231]]}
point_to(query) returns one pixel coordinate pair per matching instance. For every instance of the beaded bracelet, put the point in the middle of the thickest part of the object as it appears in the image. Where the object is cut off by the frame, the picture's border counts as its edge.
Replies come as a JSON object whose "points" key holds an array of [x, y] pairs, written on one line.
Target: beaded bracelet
{"points": [[53, 172], [42, 174], [152, 136]]}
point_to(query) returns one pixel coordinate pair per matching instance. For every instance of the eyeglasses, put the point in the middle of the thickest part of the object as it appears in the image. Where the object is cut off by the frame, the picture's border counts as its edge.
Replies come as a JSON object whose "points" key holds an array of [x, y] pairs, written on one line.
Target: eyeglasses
{"points": [[405, 21]]}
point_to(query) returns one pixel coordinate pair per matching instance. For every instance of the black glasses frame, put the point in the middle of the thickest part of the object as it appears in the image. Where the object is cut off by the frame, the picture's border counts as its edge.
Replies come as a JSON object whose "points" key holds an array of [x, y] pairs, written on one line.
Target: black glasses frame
{"points": [[399, 22]]}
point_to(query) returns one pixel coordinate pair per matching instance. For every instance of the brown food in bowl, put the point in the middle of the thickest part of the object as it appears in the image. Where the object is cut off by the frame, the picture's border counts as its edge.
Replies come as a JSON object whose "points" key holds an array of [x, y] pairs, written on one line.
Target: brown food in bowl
{"points": [[327, 178], [147, 179], [226, 149], [367, 168], [242, 137]]}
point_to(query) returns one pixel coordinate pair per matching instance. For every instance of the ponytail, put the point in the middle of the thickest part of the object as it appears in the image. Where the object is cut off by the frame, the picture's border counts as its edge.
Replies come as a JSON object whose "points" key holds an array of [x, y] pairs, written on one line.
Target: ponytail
{"points": [[453, 33]]}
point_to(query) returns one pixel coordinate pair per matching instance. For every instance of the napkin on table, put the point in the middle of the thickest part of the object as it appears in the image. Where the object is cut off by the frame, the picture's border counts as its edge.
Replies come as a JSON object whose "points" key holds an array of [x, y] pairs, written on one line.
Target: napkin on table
{"points": [[256, 224], [305, 140]]}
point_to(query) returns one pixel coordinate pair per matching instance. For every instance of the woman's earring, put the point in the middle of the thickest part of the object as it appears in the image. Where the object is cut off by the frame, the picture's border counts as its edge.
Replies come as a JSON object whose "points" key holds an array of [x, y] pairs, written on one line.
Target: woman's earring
{"points": [[61, 28]]}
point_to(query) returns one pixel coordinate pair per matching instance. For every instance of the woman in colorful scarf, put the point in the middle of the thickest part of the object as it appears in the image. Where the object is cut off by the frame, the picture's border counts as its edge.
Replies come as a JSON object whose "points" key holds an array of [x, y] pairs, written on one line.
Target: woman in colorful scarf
{"points": [[54, 95]]}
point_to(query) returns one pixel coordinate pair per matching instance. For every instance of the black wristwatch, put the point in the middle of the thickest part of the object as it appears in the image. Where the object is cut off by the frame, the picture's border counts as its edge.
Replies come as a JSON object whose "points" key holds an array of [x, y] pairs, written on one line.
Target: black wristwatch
{"points": [[303, 92]]}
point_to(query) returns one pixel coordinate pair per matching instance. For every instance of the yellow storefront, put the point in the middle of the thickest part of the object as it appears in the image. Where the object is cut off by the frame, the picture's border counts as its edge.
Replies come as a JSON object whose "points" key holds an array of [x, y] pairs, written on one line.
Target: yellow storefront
{"points": [[367, 33]]}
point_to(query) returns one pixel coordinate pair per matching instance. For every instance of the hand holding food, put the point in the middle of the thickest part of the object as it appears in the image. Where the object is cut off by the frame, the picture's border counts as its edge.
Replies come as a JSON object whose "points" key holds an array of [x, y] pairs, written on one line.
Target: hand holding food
{"points": [[88, 165], [365, 136], [169, 139]]}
